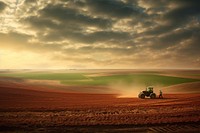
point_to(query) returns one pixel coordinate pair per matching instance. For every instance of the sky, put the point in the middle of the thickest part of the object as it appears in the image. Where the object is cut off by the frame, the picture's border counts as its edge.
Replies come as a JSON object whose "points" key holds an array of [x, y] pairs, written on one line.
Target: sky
{"points": [[99, 34]]}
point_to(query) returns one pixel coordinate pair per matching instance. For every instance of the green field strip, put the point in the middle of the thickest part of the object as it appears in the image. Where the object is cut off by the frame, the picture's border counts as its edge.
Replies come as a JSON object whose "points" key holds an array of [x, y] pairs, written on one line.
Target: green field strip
{"points": [[47, 76], [83, 79], [145, 79]]}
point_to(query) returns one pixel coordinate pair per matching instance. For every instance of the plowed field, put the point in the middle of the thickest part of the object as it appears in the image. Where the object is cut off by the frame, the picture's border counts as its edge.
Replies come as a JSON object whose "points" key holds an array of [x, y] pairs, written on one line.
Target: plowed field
{"points": [[36, 109]]}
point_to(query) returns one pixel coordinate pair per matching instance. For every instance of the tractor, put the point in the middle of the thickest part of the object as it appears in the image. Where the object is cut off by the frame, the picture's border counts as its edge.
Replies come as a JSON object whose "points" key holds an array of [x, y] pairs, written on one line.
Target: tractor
{"points": [[147, 93]]}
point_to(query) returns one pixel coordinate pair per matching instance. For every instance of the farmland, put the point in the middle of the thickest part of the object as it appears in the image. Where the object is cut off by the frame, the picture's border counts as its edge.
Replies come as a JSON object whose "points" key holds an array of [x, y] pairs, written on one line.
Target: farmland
{"points": [[86, 101], [144, 78]]}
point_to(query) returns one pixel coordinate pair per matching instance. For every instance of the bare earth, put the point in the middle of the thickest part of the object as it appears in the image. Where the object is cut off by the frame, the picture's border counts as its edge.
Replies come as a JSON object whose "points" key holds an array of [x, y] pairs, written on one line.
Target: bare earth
{"points": [[25, 108]]}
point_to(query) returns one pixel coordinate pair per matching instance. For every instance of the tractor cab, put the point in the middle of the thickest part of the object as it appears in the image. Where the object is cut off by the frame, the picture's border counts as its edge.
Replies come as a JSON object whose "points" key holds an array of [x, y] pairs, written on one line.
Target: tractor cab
{"points": [[149, 89]]}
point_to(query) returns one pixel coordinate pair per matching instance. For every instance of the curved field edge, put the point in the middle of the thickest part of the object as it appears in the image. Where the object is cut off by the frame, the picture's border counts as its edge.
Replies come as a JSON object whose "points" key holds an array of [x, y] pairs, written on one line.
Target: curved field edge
{"points": [[141, 79], [105, 80], [46, 76]]}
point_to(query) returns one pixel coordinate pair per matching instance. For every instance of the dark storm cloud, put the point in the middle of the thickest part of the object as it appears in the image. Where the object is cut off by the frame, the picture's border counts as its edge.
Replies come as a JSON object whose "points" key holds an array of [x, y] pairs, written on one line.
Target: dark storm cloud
{"points": [[72, 16], [127, 30], [2, 6], [30, 1], [192, 48], [156, 6], [175, 38], [75, 3], [108, 35], [61, 23], [39, 23], [101, 36], [184, 12], [114, 8]]}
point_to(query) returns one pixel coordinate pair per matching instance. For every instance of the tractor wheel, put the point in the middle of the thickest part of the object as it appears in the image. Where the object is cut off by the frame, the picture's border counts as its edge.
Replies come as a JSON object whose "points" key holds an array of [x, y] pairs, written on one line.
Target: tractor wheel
{"points": [[142, 96], [138, 95], [153, 96]]}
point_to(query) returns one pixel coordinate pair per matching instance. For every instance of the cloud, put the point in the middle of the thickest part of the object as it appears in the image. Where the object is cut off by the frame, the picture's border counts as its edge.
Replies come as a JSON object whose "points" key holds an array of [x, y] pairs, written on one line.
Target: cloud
{"points": [[181, 13], [185, 10], [20, 42], [107, 33], [114, 8], [30, 1], [175, 38], [191, 47], [13, 40], [62, 23], [2, 6], [71, 16], [39, 23]]}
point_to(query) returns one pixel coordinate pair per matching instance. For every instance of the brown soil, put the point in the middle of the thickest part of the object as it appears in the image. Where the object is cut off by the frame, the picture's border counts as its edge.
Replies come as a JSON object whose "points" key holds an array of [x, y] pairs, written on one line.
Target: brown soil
{"points": [[25, 108]]}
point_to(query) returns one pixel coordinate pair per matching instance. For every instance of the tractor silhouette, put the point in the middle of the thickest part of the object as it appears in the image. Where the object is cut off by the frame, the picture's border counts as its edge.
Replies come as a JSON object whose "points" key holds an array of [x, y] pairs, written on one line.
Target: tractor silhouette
{"points": [[147, 93]]}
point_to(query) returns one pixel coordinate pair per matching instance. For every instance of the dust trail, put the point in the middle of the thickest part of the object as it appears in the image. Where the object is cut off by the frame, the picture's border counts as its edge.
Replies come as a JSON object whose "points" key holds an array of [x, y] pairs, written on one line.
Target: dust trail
{"points": [[131, 90], [127, 90]]}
